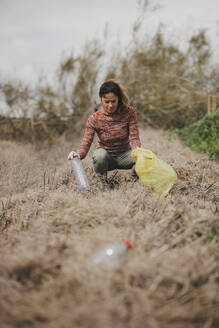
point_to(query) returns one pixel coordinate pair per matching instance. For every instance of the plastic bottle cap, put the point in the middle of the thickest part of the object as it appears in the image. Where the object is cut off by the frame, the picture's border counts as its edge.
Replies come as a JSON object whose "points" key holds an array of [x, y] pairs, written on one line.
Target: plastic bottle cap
{"points": [[128, 244]]}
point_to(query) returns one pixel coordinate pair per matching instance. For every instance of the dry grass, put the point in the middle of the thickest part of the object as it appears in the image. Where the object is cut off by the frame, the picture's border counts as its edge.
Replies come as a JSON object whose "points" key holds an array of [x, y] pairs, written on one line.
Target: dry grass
{"points": [[49, 228]]}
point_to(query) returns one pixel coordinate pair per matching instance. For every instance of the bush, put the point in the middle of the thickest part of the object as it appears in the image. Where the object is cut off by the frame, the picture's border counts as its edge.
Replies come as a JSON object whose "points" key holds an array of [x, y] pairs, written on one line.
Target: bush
{"points": [[48, 110], [167, 85], [203, 135]]}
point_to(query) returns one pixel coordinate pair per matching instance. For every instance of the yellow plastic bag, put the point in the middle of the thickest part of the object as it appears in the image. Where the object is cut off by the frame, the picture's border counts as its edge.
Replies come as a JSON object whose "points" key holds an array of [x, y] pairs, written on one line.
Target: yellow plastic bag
{"points": [[154, 172]]}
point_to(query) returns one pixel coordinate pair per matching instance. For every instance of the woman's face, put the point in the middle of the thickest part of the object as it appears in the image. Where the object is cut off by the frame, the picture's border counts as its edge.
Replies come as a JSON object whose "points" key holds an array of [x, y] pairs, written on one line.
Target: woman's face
{"points": [[110, 102]]}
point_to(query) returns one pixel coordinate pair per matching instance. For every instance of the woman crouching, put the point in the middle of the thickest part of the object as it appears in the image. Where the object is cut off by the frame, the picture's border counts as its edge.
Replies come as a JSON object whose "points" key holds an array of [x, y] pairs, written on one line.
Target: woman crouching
{"points": [[116, 127]]}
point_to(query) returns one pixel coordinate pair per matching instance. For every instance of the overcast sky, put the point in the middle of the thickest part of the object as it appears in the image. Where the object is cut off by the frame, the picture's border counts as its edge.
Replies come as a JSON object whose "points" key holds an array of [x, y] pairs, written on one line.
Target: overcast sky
{"points": [[34, 34]]}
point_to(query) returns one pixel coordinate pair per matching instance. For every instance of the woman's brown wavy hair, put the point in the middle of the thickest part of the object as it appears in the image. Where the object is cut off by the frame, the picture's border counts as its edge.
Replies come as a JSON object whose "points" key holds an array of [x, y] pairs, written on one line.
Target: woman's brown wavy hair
{"points": [[119, 90]]}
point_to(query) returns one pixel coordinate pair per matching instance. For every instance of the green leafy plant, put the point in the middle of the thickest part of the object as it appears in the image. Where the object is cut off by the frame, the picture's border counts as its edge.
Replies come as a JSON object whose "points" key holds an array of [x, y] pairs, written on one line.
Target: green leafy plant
{"points": [[203, 135]]}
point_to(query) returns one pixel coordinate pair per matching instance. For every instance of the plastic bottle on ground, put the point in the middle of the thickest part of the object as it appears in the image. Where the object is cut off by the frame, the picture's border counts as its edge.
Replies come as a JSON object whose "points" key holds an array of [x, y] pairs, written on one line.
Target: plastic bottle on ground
{"points": [[80, 174], [111, 256]]}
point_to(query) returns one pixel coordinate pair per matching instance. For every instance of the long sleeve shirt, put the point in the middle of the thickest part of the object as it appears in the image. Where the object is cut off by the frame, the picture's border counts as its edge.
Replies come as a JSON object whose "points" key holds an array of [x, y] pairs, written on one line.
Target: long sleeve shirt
{"points": [[116, 132]]}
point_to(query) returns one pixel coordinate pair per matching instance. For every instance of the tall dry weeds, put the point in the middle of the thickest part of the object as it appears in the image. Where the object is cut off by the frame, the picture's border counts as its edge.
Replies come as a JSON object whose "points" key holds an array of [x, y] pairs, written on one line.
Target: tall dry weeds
{"points": [[49, 228], [47, 110], [167, 85]]}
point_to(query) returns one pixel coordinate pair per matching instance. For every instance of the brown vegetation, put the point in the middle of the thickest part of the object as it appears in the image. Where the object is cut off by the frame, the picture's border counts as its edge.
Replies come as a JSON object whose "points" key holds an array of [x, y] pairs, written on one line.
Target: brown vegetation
{"points": [[49, 228], [35, 131], [45, 111], [168, 86]]}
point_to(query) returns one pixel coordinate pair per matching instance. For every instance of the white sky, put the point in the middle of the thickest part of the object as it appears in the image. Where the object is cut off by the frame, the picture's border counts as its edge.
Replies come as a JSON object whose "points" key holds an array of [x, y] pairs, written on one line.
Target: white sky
{"points": [[34, 34]]}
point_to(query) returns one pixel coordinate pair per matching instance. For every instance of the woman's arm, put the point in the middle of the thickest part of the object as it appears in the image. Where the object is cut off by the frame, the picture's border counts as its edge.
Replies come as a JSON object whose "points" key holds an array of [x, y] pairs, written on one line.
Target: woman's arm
{"points": [[87, 139], [133, 130]]}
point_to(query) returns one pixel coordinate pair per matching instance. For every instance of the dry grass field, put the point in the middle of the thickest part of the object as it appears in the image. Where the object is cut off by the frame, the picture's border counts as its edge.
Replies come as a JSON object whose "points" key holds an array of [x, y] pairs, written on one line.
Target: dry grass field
{"points": [[49, 228]]}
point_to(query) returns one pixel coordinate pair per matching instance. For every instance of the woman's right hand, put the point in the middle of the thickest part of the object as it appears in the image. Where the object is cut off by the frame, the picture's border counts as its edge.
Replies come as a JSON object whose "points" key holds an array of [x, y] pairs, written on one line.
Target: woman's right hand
{"points": [[73, 154]]}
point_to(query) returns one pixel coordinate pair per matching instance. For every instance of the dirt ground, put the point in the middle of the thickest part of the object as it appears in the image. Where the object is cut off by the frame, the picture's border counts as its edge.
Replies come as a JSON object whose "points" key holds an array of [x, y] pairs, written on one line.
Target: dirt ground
{"points": [[49, 228]]}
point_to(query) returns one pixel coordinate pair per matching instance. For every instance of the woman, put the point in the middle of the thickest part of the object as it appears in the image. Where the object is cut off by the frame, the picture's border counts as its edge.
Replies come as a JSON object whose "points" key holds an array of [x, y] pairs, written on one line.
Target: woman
{"points": [[116, 126]]}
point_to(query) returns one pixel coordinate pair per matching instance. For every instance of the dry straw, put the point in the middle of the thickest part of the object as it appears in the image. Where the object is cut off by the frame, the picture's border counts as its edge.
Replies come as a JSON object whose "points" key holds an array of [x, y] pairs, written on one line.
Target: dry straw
{"points": [[49, 229]]}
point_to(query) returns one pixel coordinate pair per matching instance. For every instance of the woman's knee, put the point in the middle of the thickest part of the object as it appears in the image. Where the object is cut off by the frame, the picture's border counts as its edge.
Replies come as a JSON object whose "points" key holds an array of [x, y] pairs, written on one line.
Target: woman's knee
{"points": [[100, 160]]}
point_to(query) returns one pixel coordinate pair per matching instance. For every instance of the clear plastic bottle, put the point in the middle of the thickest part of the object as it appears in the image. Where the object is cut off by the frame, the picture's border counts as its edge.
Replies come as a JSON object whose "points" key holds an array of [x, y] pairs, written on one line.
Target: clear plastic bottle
{"points": [[112, 255], [80, 174]]}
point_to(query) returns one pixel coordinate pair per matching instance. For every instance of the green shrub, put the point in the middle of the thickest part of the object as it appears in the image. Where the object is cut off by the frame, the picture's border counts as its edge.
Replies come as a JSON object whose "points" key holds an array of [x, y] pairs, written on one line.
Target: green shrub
{"points": [[203, 135]]}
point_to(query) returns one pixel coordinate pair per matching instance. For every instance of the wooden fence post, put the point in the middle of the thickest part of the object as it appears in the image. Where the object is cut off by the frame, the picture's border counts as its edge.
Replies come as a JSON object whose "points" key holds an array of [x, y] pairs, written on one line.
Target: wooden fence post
{"points": [[211, 103]]}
